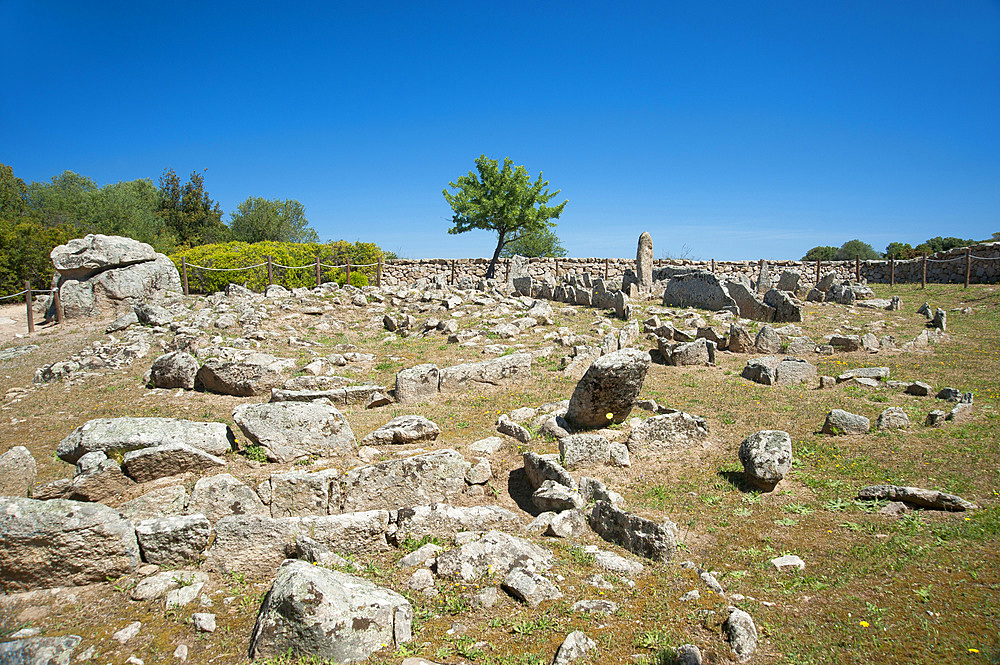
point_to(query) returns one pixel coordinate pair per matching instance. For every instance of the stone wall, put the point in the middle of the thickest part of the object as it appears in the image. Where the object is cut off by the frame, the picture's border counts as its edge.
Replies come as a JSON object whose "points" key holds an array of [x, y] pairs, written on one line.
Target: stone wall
{"points": [[943, 267]]}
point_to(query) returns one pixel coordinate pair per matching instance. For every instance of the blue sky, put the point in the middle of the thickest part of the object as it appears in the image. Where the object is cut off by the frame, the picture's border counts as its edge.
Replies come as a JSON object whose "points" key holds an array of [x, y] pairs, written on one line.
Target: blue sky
{"points": [[733, 130]]}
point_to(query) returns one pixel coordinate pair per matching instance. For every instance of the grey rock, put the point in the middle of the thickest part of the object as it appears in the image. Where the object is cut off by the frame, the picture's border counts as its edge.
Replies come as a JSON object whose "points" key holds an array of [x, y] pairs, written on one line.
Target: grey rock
{"points": [[567, 524], [492, 553], [349, 395], [917, 496], [788, 562], [584, 449], [767, 341], [669, 431], [609, 386], [160, 502], [417, 384], [935, 418], [895, 509], [644, 261], [574, 647], [739, 339], [18, 472], [159, 584], [688, 654], [120, 435], [127, 319], [203, 622], [789, 281], [841, 422], [85, 257], [749, 303], [97, 478], [153, 315], [507, 426], [870, 343], [555, 497], [176, 369], [940, 320], [595, 606], [403, 430], [699, 352], [949, 394], [117, 290], [422, 556], [786, 308], [489, 445], [328, 614], [148, 464], [879, 373], [39, 650], [700, 289], [613, 563], [540, 468], [479, 473], [592, 489], [799, 345], [530, 587], [168, 541], [290, 430], [254, 375], [766, 457], [505, 370], [418, 480], [55, 543], [919, 388], [848, 343], [442, 519], [222, 495], [296, 493], [892, 418], [741, 633], [636, 534]]}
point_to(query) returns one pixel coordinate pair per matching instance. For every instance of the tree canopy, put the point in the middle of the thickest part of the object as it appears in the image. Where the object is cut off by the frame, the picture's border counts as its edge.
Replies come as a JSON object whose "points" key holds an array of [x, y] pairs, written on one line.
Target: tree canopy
{"points": [[189, 212], [503, 200], [541, 243], [820, 253], [258, 220], [854, 248]]}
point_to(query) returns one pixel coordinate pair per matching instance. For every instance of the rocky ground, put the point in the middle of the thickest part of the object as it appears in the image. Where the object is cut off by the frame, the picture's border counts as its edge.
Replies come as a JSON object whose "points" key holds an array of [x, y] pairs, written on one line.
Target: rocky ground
{"points": [[476, 476]]}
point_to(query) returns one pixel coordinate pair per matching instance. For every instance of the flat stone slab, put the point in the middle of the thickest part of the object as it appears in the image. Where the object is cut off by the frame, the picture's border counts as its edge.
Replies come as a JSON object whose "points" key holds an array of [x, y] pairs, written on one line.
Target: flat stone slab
{"points": [[917, 496], [111, 435]]}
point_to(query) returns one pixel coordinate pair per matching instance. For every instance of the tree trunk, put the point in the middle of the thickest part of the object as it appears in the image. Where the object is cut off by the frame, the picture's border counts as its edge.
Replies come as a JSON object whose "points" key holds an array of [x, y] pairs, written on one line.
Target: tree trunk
{"points": [[491, 271]]}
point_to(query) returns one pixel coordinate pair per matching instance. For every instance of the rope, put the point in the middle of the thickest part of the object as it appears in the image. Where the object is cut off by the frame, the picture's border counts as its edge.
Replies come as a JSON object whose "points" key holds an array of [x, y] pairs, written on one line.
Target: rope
{"points": [[353, 265], [309, 265], [192, 265], [987, 258], [956, 258], [14, 295]]}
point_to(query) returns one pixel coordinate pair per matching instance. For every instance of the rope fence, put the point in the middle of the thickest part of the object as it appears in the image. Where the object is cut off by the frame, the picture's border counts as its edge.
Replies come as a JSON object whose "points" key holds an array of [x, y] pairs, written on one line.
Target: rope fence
{"points": [[271, 264]]}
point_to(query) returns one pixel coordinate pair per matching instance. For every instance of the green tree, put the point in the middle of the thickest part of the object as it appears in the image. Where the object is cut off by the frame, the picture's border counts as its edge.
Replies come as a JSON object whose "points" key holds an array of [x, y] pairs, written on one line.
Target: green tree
{"points": [[13, 194], [25, 244], [66, 199], [853, 248], [258, 220], [188, 210], [899, 250], [128, 209], [939, 244], [821, 253], [503, 200], [541, 243]]}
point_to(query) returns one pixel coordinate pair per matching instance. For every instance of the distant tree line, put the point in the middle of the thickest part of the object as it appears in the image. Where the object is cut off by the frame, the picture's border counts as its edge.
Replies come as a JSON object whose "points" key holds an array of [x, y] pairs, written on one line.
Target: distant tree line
{"points": [[171, 216], [895, 250]]}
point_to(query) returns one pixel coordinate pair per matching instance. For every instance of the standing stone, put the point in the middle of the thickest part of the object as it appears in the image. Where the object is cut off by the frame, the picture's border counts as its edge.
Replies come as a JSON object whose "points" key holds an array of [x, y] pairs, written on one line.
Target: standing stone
{"points": [[45, 544], [739, 339], [328, 614], [764, 283], [644, 261], [766, 457], [767, 341], [741, 633], [17, 472], [607, 391], [940, 320]]}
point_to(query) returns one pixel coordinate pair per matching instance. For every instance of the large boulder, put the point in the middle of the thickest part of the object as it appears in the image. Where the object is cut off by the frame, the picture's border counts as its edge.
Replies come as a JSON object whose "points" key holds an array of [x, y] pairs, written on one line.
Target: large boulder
{"points": [[222, 495], [415, 384], [780, 371], [169, 541], [442, 519], [411, 481], [46, 544], [329, 615], [291, 430], [669, 431], [786, 308], [108, 275], [766, 457], [493, 553], [607, 391], [402, 430], [638, 535], [254, 374], [700, 289], [748, 301], [842, 422], [170, 459], [120, 435], [39, 650], [505, 370], [176, 369]]}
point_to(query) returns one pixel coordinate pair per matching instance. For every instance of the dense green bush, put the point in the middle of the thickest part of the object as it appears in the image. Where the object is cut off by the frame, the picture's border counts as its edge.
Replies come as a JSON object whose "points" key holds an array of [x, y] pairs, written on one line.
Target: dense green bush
{"points": [[24, 253], [241, 254]]}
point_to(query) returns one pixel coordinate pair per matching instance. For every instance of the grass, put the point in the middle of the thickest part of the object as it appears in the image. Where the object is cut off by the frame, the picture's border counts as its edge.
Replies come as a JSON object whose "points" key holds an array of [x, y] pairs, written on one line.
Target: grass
{"points": [[860, 565]]}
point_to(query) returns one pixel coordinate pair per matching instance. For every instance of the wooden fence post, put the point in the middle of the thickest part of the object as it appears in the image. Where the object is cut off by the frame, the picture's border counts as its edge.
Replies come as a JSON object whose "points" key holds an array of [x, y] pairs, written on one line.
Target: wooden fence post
{"points": [[270, 271], [378, 273], [605, 269], [557, 268], [817, 270], [184, 274], [857, 267], [348, 270], [923, 280], [713, 266], [27, 300], [892, 272], [319, 277], [506, 274], [453, 278], [57, 301], [968, 265]]}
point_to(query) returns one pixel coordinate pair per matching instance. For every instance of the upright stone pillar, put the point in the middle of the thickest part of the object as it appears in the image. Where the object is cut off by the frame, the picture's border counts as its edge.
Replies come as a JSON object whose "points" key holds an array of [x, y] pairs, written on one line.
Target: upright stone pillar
{"points": [[644, 262]]}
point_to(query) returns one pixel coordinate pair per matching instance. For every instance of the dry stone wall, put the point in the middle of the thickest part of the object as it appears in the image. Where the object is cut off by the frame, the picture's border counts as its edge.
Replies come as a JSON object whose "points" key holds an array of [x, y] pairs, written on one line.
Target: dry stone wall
{"points": [[943, 267]]}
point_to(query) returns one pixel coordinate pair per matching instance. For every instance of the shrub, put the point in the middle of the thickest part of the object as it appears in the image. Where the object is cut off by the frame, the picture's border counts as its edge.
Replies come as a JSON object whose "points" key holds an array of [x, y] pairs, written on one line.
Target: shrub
{"points": [[241, 254]]}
